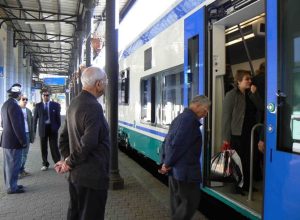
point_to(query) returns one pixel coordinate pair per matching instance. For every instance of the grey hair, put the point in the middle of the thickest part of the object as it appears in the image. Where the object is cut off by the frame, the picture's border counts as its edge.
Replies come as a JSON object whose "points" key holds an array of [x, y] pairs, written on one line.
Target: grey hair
{"points": [[201, 99], [90, 75]]}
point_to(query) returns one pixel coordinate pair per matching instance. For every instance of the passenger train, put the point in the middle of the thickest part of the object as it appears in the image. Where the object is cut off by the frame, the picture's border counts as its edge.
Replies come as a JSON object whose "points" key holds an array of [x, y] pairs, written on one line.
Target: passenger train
{"points": [[196, 48]]}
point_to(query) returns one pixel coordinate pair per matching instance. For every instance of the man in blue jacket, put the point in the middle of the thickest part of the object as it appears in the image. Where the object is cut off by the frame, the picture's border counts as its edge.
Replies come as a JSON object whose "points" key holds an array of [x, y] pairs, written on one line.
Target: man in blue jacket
{"points": [[13, 139], [181, 158]]}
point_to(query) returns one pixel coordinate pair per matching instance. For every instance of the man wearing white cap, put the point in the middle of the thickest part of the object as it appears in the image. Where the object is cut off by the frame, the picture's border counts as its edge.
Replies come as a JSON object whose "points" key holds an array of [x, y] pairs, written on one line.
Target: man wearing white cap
{"points": [[13, 139]]}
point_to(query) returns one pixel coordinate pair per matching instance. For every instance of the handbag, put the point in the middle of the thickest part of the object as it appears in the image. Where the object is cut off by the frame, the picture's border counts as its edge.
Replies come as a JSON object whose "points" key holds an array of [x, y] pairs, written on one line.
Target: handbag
{"points": [[226, 166]]}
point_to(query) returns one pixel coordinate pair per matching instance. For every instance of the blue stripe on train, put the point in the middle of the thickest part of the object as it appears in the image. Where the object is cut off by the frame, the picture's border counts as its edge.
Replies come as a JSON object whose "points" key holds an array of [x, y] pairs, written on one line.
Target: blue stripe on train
{"points": [[149, 130]]}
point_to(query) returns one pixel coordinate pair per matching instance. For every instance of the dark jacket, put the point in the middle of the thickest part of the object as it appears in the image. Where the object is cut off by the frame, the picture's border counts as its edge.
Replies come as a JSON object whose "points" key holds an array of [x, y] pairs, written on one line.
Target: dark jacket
{"points": [[182, 147], [30, 125], [234, 108], [13, 134], [38, 115], [85, 141]]}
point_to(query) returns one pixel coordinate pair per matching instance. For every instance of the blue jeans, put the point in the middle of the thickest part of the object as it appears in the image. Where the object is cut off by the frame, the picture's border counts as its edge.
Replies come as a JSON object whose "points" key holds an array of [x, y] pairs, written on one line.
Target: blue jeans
{"points": [[11, 168], [25, 153]]}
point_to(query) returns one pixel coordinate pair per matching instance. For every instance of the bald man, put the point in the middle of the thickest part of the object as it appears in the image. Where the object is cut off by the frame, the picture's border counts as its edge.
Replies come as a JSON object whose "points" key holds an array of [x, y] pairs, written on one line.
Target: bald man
{"points": [[84, 144]]}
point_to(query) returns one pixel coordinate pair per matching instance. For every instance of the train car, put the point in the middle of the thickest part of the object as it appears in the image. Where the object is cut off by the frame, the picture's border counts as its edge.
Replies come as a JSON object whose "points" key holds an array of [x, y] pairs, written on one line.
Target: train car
{"points": [[196, 48]]}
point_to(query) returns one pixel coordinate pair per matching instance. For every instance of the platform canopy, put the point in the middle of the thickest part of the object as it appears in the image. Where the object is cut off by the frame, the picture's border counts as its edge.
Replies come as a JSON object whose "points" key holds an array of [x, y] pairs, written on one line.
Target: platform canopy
{"points": [[50, 30]]}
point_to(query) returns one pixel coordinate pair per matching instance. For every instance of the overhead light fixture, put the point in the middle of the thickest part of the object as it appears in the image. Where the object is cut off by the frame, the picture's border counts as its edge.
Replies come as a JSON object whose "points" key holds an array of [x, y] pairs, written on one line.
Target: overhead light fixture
{"points": [[240, 39], [43, 42], [40, 22]]}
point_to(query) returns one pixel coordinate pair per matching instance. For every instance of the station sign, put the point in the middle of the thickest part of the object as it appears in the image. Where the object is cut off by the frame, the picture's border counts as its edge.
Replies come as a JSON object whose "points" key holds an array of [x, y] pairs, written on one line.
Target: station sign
{"points": [[55, 81]]}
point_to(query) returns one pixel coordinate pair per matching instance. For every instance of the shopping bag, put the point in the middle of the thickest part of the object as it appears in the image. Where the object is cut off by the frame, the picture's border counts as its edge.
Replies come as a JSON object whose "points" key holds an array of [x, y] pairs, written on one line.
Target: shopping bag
{"points": [[226, 166], [221, 167]]}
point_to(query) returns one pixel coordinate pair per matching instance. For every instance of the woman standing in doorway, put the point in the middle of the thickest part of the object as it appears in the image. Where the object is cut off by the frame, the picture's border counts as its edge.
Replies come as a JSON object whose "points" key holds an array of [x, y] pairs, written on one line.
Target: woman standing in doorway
{"points": [[240, 108]]}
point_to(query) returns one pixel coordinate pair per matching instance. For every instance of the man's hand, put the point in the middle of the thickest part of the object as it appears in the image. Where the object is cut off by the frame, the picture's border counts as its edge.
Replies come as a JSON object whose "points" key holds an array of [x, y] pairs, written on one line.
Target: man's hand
{"points": [[61, 167], [164, 169], [253, 88], [261, 146]]}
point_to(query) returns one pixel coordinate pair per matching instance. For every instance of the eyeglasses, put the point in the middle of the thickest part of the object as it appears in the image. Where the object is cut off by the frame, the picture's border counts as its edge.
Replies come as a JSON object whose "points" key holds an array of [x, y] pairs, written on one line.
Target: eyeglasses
{"points": [[45, 94], [24, 99]]}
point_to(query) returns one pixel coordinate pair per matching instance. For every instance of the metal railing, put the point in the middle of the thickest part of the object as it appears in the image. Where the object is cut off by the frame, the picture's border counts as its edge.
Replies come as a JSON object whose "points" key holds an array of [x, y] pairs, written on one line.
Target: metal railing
{"points": [[251, 160]]}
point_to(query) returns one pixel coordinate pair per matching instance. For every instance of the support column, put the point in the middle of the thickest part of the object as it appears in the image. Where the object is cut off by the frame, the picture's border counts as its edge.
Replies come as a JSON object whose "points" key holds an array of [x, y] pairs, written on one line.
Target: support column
{"points": [[79, 51], [20, 67], [67, 93], [112, 69], [28, 75], [3, 37], [88, 21], [9, 58]]}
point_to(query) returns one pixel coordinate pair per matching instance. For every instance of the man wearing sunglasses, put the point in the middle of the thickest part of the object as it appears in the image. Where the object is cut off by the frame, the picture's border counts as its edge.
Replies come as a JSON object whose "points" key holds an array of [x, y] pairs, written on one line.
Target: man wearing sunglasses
{"points": [[28, 120], [48, 114]]}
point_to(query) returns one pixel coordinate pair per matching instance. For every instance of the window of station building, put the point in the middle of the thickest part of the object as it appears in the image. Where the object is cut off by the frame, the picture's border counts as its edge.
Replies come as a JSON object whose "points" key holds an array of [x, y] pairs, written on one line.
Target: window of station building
{"points": [[148, 100], [172, 95], [124, 86], [288, 122]]}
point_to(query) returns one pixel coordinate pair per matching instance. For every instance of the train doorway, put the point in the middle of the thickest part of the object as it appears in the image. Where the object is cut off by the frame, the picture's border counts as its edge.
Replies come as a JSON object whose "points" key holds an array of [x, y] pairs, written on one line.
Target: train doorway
{"points": [[238, 45]]}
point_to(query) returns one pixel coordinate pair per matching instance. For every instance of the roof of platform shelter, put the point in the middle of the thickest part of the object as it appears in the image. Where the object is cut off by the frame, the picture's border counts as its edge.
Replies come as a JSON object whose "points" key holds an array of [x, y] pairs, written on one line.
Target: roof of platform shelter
{"points": [[49, 29]]}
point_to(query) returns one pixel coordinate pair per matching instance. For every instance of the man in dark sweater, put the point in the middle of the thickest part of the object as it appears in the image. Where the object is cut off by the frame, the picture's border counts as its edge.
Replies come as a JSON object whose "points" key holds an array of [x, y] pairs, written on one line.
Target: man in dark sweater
{"points": [[181, 158], [84, 144]]}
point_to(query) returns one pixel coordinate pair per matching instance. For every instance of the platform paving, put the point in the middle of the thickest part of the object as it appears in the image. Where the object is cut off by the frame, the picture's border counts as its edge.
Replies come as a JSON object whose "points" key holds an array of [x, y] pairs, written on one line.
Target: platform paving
{"points": [[46, 197]]}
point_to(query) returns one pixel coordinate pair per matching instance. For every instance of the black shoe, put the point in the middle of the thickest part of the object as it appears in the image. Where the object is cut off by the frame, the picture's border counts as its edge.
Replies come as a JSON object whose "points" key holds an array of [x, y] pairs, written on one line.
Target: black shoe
{"points": [[20, 187], [16, 192], [239, 190]]}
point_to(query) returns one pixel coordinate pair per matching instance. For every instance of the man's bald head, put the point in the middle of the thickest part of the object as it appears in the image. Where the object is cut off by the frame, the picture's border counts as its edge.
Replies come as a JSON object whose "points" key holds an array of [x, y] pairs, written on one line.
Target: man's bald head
{"points": [[90, 75]]}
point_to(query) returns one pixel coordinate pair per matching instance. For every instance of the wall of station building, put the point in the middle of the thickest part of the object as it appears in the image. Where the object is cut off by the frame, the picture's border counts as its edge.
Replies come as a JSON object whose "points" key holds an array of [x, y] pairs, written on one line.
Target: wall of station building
{"points": [[16, 68]]}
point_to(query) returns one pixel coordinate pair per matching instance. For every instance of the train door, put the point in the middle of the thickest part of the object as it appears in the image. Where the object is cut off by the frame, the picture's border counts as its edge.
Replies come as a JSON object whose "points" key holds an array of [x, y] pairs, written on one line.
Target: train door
{"points": [[194, 55], [282, 179]]}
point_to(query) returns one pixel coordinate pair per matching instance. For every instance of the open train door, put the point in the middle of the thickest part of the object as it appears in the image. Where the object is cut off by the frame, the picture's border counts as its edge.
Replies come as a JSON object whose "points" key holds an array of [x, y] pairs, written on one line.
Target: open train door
{"points": [[282, 154], [194, 55]]}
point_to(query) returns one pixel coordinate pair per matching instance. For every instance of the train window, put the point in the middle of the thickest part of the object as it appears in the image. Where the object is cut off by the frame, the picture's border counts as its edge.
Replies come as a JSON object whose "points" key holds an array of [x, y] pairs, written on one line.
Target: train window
{"points": [[124, 87], [148, 59], [289, 77], [193, 67], [148, 100], [172, 97]]}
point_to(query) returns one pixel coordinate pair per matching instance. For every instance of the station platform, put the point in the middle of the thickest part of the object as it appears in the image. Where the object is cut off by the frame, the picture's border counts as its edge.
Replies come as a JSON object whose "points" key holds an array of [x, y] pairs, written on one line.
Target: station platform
{"points": [[47, 197]]}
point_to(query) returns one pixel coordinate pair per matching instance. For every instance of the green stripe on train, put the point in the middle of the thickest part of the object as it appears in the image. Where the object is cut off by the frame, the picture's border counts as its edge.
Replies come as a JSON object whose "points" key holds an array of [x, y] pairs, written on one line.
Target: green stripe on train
{"points": [[236, 207], [144, 144]]}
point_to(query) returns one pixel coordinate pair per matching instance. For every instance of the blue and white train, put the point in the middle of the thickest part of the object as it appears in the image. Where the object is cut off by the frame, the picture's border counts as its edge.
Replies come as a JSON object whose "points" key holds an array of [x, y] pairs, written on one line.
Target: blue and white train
{"points": [[193, 49]]}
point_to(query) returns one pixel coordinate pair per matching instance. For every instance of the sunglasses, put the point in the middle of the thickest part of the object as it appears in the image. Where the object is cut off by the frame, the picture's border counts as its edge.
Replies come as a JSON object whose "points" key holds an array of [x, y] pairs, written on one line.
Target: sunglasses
{"points": [[24, 99], [45, 94]]}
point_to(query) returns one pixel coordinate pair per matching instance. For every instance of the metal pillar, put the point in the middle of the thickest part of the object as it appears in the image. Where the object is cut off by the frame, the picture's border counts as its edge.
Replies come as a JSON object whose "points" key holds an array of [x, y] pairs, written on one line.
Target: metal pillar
{"points": [[112, 68], [79, 52], [28, 73], [2, 64], [9, 58], [88, 21]]}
